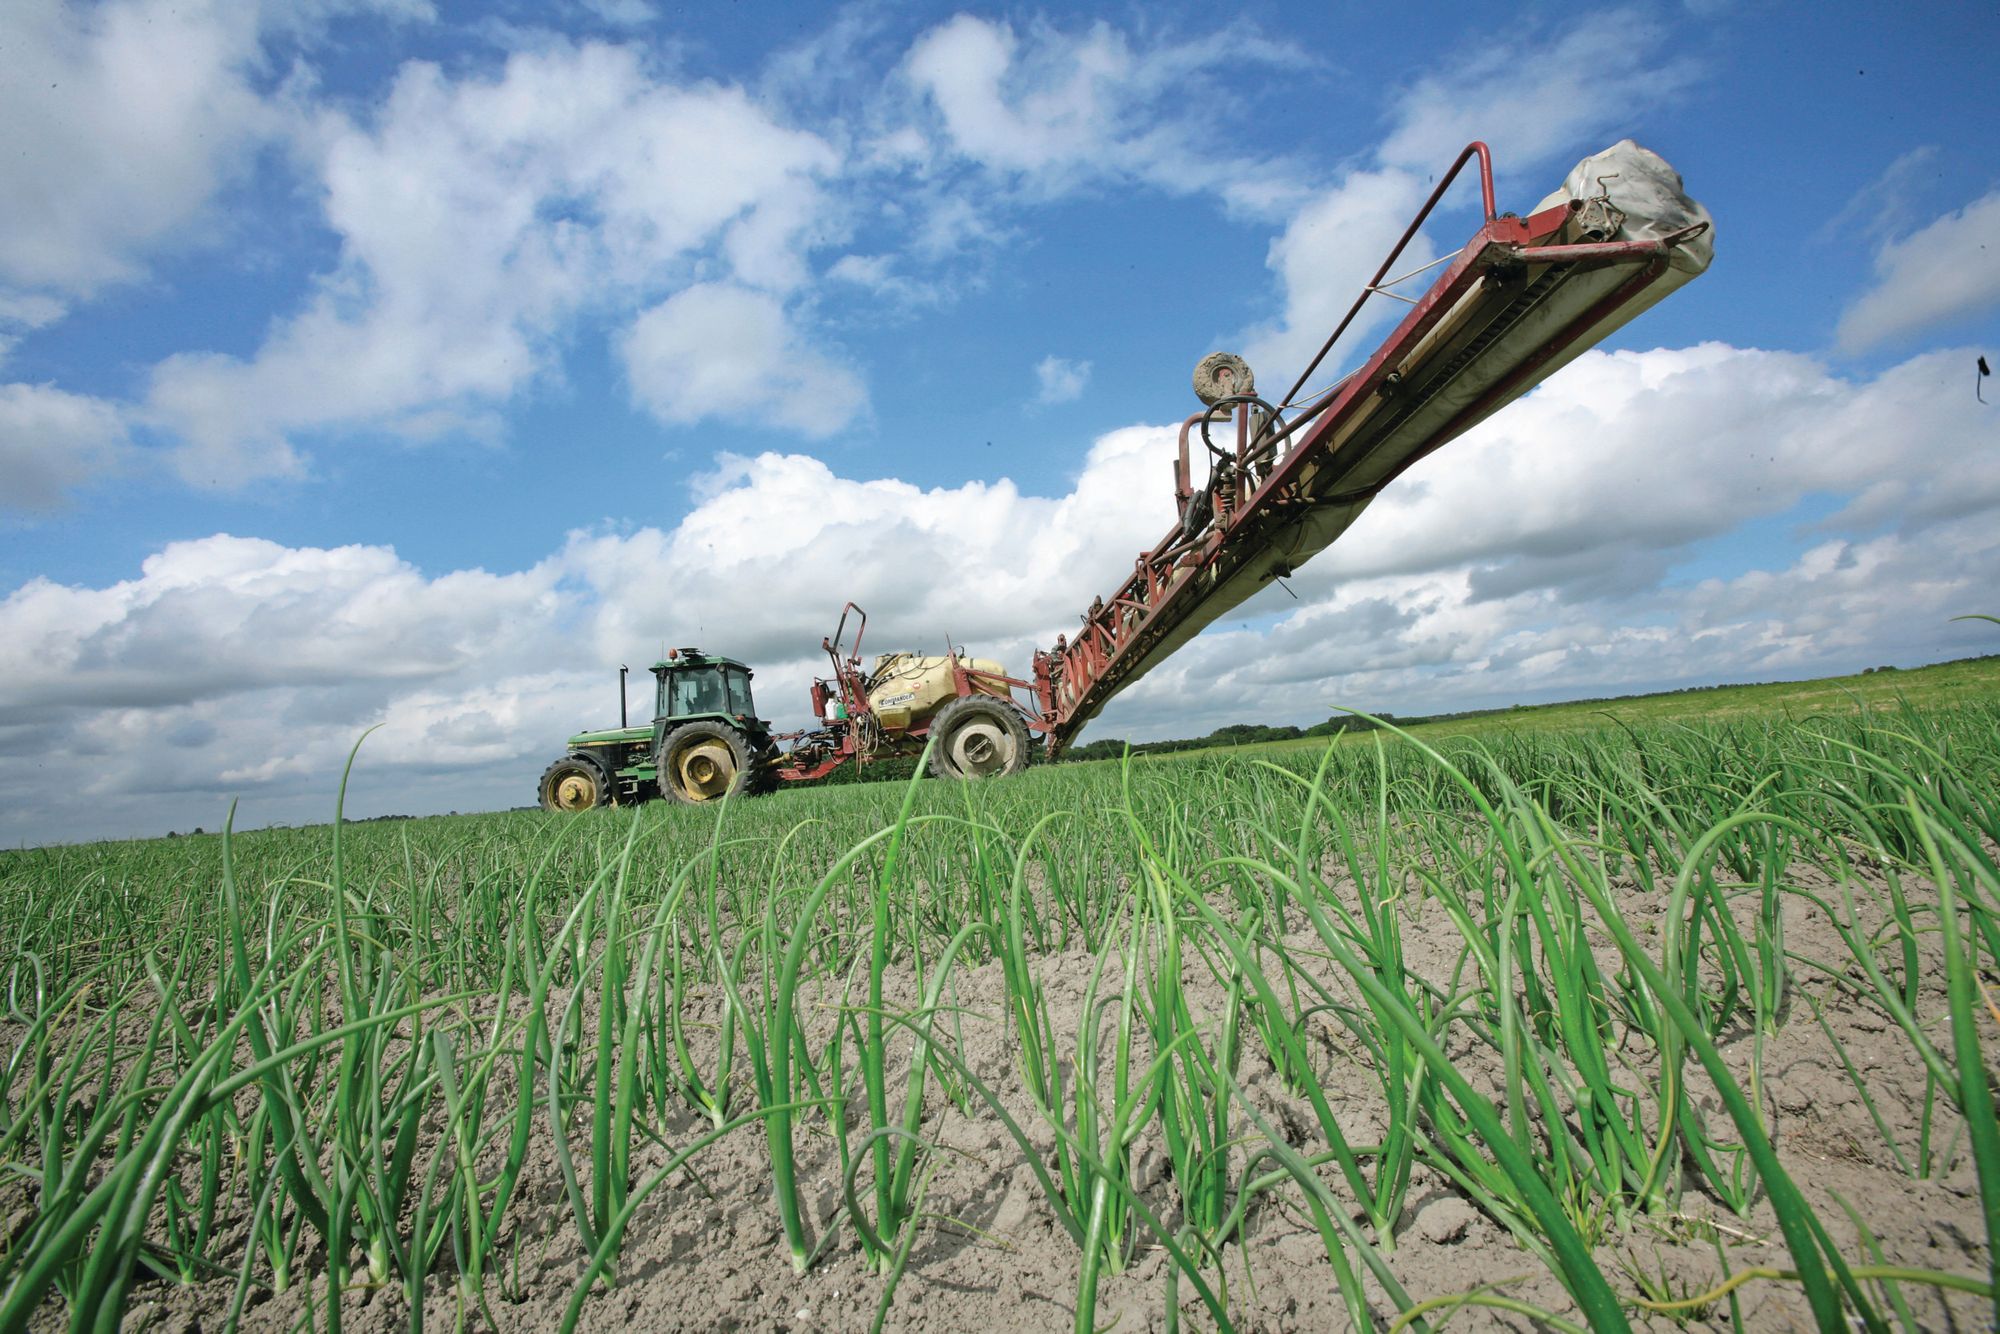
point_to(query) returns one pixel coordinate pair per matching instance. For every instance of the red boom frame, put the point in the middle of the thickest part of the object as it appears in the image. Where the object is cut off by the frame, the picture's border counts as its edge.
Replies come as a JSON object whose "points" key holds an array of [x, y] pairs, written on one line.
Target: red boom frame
{"points": [[1276, 472]]}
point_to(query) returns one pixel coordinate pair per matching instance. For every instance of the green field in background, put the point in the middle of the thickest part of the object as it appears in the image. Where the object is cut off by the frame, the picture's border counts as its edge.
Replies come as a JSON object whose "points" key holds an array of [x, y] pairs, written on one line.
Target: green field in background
{"points": [[1968, 681]]}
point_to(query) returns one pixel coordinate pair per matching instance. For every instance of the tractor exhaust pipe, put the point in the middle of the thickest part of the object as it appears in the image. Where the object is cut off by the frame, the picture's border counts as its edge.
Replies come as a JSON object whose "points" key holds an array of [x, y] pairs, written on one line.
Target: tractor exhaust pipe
{"points": [[622, 721]]}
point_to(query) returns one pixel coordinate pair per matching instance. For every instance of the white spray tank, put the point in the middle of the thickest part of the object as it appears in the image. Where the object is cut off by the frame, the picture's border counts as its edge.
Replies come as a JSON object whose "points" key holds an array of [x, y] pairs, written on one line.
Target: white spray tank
{"points": [[906, 689]]}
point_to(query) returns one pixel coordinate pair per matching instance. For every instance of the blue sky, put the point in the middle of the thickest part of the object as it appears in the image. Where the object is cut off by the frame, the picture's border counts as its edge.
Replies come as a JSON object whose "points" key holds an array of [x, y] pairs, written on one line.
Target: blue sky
{"points": [[381, 362]]}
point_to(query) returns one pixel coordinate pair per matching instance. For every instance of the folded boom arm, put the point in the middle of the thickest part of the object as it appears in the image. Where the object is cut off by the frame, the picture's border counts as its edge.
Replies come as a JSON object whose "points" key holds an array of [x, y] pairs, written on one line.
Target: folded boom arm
{"points": [[1522, 298]]}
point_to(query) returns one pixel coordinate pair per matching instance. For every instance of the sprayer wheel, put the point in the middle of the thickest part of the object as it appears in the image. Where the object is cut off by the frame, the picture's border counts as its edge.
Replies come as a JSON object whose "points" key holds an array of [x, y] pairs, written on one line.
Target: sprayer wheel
{"points": [[978, 736]]}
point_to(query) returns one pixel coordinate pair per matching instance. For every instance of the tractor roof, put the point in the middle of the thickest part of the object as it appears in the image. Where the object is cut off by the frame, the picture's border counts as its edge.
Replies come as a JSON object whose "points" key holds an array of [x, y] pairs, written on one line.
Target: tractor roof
{"points": [[694, 657]]}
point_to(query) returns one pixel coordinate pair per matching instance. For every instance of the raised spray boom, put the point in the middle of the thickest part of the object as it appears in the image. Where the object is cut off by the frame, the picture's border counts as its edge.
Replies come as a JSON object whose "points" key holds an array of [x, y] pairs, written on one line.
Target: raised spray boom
{"points": [[1521, 299]]}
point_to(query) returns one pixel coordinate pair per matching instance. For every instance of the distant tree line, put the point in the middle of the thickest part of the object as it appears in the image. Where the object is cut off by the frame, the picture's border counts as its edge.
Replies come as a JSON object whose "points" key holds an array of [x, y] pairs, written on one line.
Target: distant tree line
{"points": [[1235, 734]]}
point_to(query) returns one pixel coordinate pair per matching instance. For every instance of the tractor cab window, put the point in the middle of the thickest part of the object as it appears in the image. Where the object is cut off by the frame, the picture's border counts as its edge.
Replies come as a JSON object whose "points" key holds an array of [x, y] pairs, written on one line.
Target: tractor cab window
{"points": [[697, 690], [738, 683]]}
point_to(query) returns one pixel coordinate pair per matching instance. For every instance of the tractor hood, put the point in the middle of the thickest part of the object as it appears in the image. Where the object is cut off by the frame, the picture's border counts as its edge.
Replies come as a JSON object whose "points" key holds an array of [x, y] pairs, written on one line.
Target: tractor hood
{"points": [[613, 736]]}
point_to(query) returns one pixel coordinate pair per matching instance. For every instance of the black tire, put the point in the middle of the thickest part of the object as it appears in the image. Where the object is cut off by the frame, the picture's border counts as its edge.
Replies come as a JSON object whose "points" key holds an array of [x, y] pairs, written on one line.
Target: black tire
{"points": [[763, 772], [576, 782], [978, 736], [703, 762]]}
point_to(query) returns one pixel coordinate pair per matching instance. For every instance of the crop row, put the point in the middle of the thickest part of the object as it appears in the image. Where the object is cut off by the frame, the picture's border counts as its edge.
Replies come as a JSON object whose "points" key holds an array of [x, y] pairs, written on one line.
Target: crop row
{"points": [[1546, 967]]}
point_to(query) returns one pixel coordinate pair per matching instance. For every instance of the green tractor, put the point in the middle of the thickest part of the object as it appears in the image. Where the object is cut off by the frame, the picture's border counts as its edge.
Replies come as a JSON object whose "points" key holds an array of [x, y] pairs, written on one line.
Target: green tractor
{"points": [[704, 743]]}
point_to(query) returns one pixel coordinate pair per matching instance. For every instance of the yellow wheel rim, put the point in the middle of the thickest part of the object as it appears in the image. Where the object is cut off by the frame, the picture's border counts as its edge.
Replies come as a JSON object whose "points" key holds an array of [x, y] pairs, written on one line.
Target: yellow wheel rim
{"points": [[575, 792], [705, 770]]}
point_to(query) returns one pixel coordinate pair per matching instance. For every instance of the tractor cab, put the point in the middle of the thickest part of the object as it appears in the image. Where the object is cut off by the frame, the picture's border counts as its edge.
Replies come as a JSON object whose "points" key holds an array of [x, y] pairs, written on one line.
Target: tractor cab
{"points": [[694, 684]]}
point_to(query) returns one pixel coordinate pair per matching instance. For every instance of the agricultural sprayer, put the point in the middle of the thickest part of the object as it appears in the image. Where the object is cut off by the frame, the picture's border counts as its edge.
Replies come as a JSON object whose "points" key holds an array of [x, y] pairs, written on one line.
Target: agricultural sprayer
{"points": [[1283, 480]]}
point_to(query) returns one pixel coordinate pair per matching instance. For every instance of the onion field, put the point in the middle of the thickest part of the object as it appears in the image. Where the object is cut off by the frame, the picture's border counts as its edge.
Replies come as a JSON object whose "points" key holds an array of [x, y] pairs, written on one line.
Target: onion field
{"points": [[1651, 1025]]}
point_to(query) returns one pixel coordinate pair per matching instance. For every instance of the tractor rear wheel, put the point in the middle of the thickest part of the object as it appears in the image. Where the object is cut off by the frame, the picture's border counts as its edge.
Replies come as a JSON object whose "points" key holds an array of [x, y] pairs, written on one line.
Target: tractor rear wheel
{"points": [[703, 762], [575, 783], [978, 736]]}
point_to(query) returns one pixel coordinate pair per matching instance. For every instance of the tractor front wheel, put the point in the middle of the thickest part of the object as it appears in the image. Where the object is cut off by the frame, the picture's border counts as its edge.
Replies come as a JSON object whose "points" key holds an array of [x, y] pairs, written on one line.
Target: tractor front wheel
{"points": [[978, 736], [703, 762], [575, 783]]}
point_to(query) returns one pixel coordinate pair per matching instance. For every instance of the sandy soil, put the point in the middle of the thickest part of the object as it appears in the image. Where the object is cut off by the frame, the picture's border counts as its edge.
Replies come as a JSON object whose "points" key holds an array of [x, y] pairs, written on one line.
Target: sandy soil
{"points": [[705, 1251]]}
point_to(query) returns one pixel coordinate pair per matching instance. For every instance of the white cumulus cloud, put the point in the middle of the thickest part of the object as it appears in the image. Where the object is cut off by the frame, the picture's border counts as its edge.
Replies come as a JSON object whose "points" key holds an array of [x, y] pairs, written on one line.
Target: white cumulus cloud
{"points": [[722, 350], [123, 120], [1060, 380], [219, 615], [479, 218], [1531, 98], [1050, 110], [1946, 271], [52, 442], [1624, 458]]}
